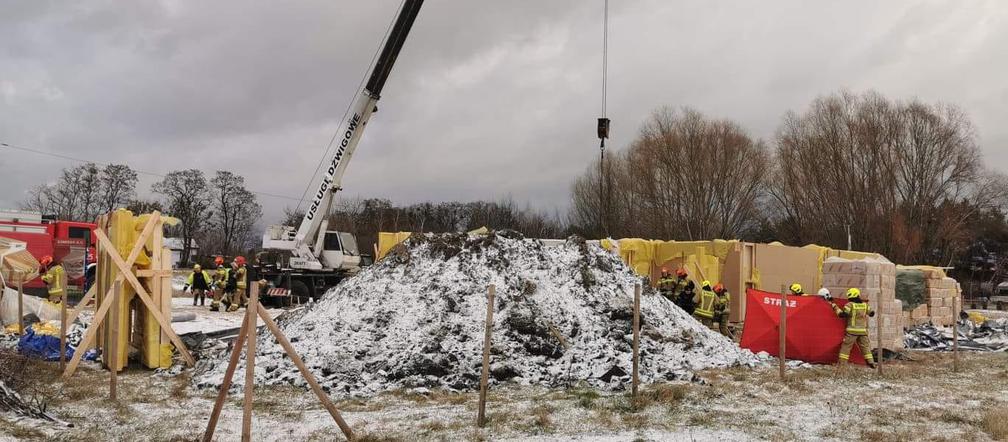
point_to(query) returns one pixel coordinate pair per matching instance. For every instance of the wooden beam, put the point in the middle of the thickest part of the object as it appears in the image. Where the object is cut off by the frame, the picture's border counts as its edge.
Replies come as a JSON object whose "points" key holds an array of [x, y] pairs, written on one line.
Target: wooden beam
{"points": [[88, 297], [151, 273], [636, 343], [113, 355], [20, 318], [484, 377], [145, 298], [319, 392], [89, 334], [782, 357], [250, 352], [239, 342]]}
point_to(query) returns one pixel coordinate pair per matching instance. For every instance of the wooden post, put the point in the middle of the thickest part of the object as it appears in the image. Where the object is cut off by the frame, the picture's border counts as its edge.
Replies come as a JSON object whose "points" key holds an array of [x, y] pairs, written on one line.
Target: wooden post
{"points": [[226, 382], [113, 352], [323, 398], [251, 311], [636, 342], [878, 343], [782, 358], [484, 378], [955, 333], [63, 318], [20, 318]]}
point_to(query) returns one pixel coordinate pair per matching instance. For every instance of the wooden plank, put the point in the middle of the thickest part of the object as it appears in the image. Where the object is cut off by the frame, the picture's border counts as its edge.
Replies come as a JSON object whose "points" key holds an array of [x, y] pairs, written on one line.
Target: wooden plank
{"points": [[113, 356], [636, 343], [152, 273], [239, 342], [250, 313], [955, 334], [316, 388], [88, 297], [63, 320], [484, 377], [20, 317], [145, 298], [782, 356], [165, 293], [89, 334]]}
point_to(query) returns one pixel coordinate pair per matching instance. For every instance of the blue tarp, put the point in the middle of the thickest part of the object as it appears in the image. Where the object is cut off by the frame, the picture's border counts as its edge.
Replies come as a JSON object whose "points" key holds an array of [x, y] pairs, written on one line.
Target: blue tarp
{"points": [[41, 346]]}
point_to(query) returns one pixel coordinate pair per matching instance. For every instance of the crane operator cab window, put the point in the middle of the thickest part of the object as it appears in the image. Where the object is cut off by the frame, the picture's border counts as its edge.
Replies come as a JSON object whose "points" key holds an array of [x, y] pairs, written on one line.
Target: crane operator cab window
{"points": [[341, 241]]}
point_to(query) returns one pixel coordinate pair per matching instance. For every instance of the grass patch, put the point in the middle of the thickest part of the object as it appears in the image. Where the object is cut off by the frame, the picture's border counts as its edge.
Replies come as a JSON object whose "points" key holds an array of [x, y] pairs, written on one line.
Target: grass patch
{"points": [[995, 423], [585, 397], [19, 432], [704, 419], [433, 426], [541, 417]]}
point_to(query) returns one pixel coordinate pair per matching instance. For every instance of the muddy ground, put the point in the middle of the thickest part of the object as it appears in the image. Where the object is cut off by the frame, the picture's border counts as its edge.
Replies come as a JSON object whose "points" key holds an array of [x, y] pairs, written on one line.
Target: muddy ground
{"points": [[918, 399]]}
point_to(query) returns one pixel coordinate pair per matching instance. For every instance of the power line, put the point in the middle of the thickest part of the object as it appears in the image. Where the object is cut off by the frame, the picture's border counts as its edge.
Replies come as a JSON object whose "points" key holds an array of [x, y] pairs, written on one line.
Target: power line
{"points": [[144, 172]]}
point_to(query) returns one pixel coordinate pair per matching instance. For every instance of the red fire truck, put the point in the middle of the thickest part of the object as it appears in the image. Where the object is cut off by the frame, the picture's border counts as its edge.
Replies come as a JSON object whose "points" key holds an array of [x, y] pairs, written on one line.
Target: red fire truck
{"points": [[68, 242]]}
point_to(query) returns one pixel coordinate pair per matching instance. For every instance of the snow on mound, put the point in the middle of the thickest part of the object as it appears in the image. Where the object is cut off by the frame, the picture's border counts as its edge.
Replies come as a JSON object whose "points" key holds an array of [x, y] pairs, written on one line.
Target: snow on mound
{"points": [[416, 319]]}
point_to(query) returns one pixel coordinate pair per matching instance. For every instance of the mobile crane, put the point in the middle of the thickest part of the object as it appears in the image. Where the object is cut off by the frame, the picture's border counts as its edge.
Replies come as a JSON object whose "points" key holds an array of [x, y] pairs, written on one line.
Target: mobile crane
{"points": [[306, 261]]}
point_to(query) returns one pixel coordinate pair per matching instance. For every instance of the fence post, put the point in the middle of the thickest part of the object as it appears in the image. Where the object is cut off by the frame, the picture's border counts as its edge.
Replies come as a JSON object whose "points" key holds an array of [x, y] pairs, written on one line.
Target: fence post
{"points": [[783, 332], [636, 342], [20, 318], [484, 378], [955, 333], [113, 351], [251, 310]]}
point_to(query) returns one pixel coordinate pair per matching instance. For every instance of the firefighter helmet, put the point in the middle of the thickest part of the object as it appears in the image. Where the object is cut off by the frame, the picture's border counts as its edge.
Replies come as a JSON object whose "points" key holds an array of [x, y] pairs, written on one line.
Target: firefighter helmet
{"points": [[796, 288], [718, 288], [681, 272], [240, 260], [853, 293], [705, 285], [46, 260]]}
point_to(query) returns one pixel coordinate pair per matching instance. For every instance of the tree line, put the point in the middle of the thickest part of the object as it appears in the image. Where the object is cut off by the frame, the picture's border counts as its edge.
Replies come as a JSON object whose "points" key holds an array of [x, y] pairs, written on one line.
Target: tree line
{"points": [[218, 213], [902, 178]]}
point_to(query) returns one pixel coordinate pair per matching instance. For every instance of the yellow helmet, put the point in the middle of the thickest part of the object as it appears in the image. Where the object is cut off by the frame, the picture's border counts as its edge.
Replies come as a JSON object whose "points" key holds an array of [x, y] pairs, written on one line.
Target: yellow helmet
{"points": [[196, 267], [853, 293], [796, 288], [705, 285]]}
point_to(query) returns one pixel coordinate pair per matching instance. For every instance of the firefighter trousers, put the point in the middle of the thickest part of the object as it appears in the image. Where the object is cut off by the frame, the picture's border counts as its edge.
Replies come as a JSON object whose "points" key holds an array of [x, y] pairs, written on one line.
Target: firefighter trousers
{"points": [[848, 343]]}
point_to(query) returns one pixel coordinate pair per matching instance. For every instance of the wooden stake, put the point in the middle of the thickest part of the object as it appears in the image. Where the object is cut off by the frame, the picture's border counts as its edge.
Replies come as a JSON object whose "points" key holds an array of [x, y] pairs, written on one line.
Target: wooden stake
{"points": [[636, 342], [484, 378], [250, 312], [782, 358], [113, 352], [63, 321], [955, 333], [90, 333], [83, 303], [878, 343], [20, 317], [319, 392], [226, 382]]}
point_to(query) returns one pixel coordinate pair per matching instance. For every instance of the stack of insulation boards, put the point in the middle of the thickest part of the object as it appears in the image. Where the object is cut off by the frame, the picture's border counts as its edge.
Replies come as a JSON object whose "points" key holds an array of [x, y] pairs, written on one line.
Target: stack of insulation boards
{"points": [[876, 278], [941, 293]]}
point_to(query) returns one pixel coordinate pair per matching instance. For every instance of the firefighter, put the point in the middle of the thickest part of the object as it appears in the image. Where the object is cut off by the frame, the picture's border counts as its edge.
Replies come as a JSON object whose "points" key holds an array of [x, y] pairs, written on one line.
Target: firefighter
{"points": [[666, 285], [220, 280], [705, 302], [856, 312], [685, 298], [722, 308], [200, 282], [796, 290], [55, 278], [238, 276]]}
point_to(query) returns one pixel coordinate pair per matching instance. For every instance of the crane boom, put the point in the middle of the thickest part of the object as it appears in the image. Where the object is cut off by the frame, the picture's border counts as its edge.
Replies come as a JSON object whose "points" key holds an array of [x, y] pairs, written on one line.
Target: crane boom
{"points": [[308, 243]]}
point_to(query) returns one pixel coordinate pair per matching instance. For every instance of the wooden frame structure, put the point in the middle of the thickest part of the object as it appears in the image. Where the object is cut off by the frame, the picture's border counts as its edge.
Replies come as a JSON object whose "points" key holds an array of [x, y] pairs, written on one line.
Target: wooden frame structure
{"points": [[114, 270], [247, 336]]}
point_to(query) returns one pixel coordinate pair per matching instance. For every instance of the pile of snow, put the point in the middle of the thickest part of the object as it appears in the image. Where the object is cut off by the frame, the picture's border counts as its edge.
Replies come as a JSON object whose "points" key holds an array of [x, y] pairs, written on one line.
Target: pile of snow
{"points": [[416, 319]]}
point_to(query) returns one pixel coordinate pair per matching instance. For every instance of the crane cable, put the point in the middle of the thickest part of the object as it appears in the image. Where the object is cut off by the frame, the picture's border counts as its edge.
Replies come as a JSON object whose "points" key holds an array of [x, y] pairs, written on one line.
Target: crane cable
{"points": [[360, 86], [603, 129]]}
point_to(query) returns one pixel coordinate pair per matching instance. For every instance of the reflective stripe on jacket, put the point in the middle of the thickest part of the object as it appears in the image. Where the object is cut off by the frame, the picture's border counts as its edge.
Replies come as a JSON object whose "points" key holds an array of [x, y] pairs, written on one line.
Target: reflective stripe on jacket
{"points": [[54, 279], [705, 303], [240, 277]]}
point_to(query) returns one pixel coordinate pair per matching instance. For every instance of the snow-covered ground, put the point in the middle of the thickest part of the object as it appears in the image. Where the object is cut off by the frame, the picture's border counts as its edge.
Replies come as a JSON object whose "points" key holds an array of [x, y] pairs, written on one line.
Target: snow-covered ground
{"points": [[207, 321], [919, 399]]}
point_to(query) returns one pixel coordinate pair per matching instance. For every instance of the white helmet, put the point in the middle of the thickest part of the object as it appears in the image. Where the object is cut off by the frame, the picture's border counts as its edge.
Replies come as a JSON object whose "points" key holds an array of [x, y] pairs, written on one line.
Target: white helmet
{"points": [[824, 292]]}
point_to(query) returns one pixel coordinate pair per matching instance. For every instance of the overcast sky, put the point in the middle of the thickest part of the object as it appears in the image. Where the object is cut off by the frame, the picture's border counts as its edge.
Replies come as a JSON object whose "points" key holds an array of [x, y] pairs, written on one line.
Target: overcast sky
{"points": [[488, 98]]}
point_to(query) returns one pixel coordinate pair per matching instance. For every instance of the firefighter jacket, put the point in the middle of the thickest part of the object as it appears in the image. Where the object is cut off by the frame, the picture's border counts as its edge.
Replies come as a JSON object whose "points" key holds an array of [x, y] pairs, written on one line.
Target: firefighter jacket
{"points": [[721, 305], [856, 313], [199, 281], [221, 276], [666, 284], [705, 302], [240, 277], [55, 278]]}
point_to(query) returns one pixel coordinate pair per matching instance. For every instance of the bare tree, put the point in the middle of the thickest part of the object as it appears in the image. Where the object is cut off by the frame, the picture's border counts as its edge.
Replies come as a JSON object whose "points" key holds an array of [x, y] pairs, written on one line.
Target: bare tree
{"points": [[896, 174], [118, 186], [187, 197], [144, 206], [235, 212]]}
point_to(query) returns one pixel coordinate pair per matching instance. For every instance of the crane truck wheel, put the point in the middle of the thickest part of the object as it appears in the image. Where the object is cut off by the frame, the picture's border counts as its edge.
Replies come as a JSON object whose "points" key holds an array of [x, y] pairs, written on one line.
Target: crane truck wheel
{"points": [[300, 291]]}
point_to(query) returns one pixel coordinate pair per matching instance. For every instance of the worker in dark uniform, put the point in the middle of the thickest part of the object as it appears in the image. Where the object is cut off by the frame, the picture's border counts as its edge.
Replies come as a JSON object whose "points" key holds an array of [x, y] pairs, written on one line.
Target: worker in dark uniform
{"points": [[199, 280]]}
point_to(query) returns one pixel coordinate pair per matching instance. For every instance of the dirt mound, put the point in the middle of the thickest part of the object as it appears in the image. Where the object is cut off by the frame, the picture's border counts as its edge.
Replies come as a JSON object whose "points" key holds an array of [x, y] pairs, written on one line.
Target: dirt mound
{"points": [[563, 314]]}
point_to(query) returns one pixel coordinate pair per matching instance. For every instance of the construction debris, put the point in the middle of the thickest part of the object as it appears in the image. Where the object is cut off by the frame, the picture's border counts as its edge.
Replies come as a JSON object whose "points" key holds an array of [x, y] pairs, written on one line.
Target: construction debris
{"points": [[415, 319], [992, 335], [876, 278]]}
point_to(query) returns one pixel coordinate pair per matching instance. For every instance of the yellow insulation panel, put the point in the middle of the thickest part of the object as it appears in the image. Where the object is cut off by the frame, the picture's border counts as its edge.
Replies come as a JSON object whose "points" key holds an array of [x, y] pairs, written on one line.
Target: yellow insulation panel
{"points": [[388, 240]]}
